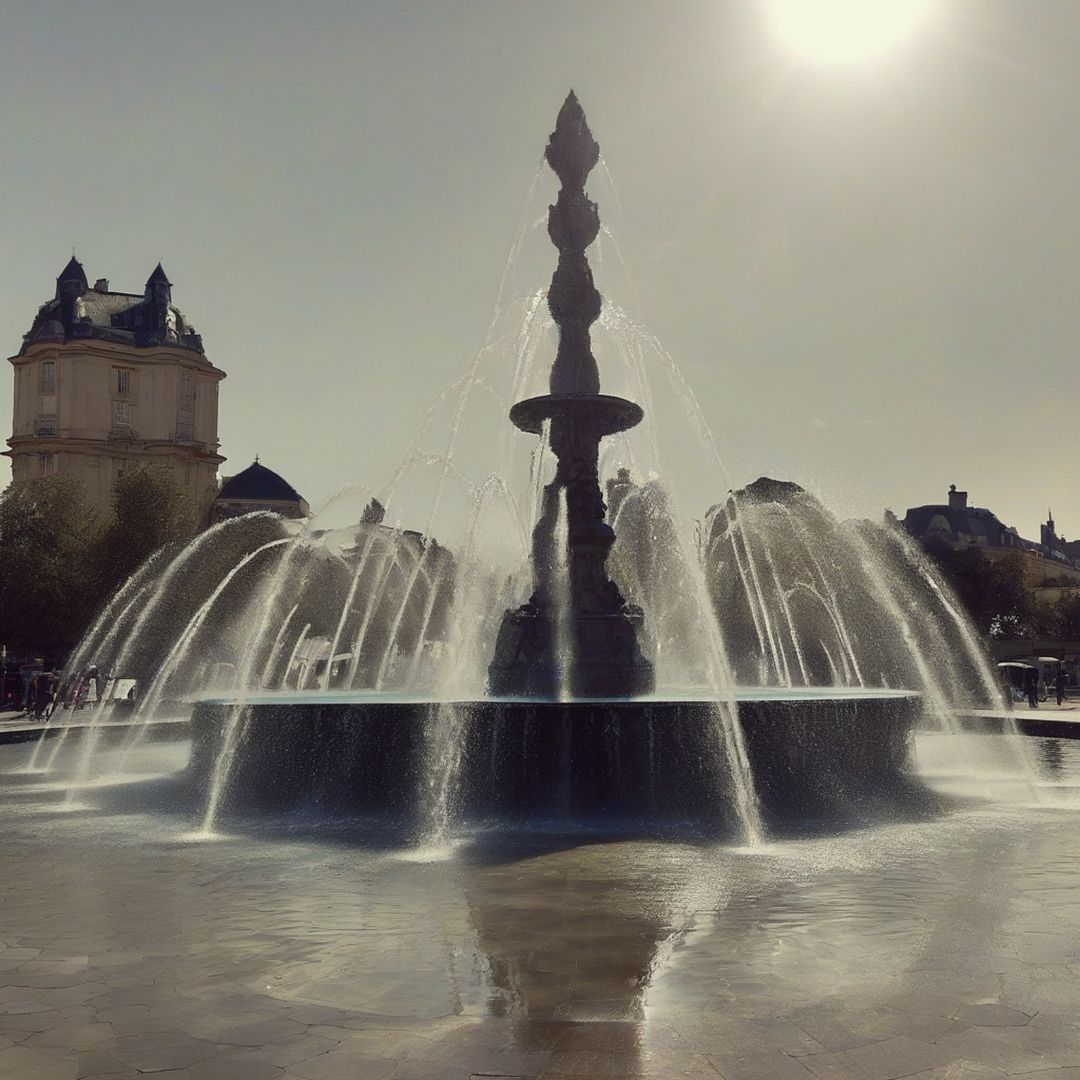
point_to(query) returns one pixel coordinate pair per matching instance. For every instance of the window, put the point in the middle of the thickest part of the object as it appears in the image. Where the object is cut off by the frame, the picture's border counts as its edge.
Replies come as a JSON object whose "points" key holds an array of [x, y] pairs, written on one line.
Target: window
{"points": [[45, 425], [45, 464], [185, 408], [121, 417], [123, 380], [48, 376]]}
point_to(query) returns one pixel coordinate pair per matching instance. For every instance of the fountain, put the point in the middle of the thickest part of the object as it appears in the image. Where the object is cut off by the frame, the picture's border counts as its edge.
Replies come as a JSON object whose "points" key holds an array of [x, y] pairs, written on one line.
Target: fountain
{"points": [[601, 655], [612, 670]]}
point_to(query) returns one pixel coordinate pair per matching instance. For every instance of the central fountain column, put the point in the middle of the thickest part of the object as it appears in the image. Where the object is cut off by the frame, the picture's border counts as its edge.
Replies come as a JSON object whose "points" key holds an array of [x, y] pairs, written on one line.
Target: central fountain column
{"points": [[577, 635]]}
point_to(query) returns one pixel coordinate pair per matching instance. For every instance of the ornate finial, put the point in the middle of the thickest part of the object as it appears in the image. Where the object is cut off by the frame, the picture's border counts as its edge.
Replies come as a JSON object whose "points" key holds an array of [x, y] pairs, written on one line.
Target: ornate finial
{"points": [[573, 223], [571, 150], [256, 457]]}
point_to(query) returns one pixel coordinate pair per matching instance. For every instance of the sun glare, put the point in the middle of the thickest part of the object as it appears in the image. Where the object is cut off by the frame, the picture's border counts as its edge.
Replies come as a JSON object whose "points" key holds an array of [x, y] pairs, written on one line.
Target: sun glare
{"points": [[845, 31]]}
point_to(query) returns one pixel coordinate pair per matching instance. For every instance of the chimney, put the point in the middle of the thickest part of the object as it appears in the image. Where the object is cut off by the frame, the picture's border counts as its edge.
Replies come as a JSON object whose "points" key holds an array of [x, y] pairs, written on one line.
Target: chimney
{"points": [[101, 285], [957, 499]]}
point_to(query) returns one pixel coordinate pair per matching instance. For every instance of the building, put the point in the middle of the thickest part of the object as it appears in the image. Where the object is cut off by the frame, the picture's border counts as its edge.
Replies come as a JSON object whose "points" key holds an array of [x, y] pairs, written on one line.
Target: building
{"points": [[1051, 566], [106, 381], [257, 488]]}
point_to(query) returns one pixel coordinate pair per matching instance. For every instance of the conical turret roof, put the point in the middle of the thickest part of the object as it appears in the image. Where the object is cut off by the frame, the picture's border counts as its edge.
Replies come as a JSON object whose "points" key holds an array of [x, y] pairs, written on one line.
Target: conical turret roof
{"points": [[159, 277]]}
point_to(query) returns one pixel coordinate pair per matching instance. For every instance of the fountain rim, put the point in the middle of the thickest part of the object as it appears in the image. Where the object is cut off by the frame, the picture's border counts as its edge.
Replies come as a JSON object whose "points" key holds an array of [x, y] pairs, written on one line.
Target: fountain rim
{"points": [[740, 694]]}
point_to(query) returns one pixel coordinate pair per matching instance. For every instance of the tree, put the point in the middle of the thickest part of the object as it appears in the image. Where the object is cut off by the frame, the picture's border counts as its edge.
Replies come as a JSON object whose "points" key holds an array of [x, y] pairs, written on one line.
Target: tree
{"points": [[1064, 618], [993, 591], [149, 511], [48, 584]]}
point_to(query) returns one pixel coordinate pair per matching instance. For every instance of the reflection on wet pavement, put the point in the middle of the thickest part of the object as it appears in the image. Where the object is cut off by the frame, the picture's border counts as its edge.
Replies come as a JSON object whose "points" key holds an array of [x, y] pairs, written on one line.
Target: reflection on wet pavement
{"points": [[947, 948]]}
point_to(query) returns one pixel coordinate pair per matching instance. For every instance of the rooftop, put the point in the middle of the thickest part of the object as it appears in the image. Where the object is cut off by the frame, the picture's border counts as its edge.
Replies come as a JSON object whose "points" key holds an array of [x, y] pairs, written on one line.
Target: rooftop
{"points": [[259, 483], [144, 319]]}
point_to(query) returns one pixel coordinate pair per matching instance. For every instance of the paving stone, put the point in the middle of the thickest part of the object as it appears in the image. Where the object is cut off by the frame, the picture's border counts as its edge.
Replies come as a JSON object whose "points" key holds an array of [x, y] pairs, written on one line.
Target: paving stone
{"points": [[762, 1067], [994, 1015], [236, 1066], [98, 1061], [74, 1036], [343, 1063], [260, 1034], [834, 1066], [238, 961], [895, 1057], [788, 1038], [996, 1048], [318, 1014], [149, 1053], [970, 1070], [23, 1063]]}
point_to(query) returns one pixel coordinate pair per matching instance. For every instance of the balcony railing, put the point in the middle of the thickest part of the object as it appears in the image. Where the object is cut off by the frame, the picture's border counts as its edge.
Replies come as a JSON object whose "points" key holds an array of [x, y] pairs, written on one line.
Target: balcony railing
{"points": [[45, 425], [122, 433]]}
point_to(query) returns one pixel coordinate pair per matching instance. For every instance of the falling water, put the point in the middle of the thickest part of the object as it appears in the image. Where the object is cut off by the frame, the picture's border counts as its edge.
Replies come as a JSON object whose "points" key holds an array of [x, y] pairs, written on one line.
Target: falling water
{"points": [[725, 712], [66, 724], [833, 606], [239, 715], [442, 765], [471, 638], [561, 597], [346, 608], [109, 619], [178, 653], [162, 593]]}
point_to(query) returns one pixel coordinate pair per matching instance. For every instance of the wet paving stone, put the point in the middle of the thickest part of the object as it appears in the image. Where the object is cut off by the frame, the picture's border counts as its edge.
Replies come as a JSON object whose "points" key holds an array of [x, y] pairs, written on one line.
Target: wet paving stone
{"points": [[942, 949]]}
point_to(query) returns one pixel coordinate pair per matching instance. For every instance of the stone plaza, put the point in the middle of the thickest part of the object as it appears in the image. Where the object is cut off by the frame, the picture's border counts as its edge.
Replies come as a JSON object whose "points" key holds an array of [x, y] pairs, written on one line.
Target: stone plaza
{"points": [[941, 948]]}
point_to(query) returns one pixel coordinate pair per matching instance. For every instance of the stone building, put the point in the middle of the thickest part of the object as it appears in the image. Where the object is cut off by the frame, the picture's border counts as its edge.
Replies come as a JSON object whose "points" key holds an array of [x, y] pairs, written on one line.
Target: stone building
{"points": [[1051, 566], [257, 488], [106, 381]]}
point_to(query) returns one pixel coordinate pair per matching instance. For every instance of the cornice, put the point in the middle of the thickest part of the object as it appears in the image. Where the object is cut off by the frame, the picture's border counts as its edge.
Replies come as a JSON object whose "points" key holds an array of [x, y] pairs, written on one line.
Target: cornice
{"points": [[112, 351]]}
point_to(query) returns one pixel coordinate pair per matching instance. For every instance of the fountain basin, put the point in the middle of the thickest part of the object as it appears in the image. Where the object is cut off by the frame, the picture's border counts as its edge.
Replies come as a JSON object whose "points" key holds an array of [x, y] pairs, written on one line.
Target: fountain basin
{"points": [[814, 753]]}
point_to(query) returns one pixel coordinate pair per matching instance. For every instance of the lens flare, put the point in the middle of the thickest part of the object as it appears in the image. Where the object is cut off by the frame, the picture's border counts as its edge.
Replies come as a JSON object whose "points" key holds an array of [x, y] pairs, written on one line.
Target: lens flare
{"points": [[845, 31]]}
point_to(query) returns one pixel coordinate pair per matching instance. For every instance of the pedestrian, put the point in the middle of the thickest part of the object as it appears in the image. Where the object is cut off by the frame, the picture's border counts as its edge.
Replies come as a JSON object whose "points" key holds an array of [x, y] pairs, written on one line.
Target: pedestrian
{"points": [[94, 686], [1059, 684], [41, 694], [1031, 682]]}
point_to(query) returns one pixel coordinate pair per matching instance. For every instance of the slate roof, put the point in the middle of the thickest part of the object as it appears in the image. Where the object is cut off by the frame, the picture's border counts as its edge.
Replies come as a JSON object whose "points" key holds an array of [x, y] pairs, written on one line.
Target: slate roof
{"points": [[140, 319], [259, 483]]}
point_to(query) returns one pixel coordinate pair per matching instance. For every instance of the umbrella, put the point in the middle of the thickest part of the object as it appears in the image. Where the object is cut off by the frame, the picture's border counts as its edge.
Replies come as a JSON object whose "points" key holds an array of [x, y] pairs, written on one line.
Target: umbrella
{"points": [[1015, 663]]}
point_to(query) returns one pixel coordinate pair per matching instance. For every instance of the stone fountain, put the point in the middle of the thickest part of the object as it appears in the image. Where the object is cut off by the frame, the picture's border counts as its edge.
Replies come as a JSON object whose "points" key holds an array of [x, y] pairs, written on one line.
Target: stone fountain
{"points": [[602, 656], [572, 726]]}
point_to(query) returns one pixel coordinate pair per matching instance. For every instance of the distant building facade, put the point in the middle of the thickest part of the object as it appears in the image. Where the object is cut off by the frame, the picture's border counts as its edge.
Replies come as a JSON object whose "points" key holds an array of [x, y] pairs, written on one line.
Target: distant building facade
{"points": [[1051, 565], [257, 488], [106, 381]]}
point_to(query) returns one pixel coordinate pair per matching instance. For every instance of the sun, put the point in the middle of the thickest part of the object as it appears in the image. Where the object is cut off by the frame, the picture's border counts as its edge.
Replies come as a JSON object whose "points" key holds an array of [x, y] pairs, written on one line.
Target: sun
{"points": [[845, 31]]}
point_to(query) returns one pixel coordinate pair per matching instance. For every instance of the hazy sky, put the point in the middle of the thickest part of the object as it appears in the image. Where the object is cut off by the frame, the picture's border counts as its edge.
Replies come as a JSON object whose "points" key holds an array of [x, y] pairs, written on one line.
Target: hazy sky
{"points": [[867, 274]]}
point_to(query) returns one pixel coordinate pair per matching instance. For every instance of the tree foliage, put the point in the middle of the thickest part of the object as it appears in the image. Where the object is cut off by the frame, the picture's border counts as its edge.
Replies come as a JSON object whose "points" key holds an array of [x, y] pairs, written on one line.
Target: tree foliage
{"points": [[48, 583], [59, 564], [149, 511], [999, 601], [993, 591]]}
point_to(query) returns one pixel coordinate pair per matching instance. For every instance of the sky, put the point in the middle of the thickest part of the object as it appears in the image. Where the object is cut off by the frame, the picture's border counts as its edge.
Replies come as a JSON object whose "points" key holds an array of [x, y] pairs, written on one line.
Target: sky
{"points": [[864, 274]]}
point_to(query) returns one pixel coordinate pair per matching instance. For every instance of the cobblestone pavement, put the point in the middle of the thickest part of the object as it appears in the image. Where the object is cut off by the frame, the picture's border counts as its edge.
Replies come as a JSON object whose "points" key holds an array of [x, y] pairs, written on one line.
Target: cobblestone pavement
{"points": [[944, 950]]}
